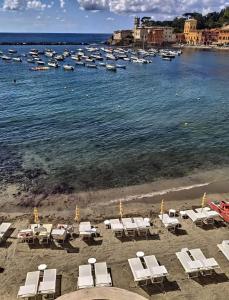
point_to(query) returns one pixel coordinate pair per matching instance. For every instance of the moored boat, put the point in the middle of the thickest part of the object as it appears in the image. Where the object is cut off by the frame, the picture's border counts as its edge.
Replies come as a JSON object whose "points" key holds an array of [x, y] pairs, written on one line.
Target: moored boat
{"points": [[111, 67], [68, 68], [222, 208]]}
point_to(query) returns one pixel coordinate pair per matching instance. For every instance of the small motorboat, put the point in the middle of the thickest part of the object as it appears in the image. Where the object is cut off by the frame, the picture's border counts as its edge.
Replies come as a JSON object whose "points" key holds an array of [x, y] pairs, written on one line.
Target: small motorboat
{"points": [[5, 57], [59, 57], [166, 58], [101, 64], [111, 67], [222, 208], [68, 68], [40, 68], [17, 59], [30, 60], [12, 51], [40, 62], [80, 63], [120, 66], [91, 66], [53, 64]]}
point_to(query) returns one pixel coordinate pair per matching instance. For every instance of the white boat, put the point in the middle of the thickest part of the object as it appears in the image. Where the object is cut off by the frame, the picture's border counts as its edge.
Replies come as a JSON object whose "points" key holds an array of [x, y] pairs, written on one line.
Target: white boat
{"points": [[75, 57], [94, 66], [40, 63], [111, 67], [80, 63], [53, 64], [12, 51], [126, 59], [59, 57], [102, 64], [89, 60], [30, 60], [68, 68], [17, 59], [166, 58], [5, 57], [120, 66], [110, 57]]}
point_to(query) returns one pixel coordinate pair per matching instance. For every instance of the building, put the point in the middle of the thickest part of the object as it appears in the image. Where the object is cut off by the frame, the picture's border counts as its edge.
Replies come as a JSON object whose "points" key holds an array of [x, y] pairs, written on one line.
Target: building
{"points": [[122, 37], [223, 38], [156, 35]]}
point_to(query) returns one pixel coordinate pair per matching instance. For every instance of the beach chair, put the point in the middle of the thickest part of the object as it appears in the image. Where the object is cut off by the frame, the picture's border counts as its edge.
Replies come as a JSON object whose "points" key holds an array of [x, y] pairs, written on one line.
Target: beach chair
{"points": [[190, 266], [158, 273], [85, 230], [129, 227], [139, 273], [30, 289], [42, 232], [170, 223], [85, 279], [142, 226], [26, 236], [102, 277], [4, 227], [209, 264], [48, 284], [210, 215], [224, 248], [59, 234], [197, 218], [117, 227]]}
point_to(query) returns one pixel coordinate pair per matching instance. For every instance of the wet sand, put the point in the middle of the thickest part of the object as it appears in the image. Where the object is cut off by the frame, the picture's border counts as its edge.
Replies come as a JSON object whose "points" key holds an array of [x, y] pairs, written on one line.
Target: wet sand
{"points": [[17, 259]]}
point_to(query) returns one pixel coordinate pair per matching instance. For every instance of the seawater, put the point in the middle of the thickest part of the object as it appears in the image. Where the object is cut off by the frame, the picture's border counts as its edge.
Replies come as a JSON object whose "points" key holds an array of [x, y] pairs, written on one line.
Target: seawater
{"points": [[92, 128]]}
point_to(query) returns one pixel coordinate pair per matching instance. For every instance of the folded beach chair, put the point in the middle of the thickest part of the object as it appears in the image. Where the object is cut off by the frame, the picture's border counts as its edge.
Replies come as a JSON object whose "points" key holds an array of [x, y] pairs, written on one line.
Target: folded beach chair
{"points": [[158, 272], [48, 285], [197, 218], [4, 227], [139, 273], [117, 227], [190, 266], [209, 264], [31, 285], [102, 277], [170, 223], [224, 248], [85, 279]]}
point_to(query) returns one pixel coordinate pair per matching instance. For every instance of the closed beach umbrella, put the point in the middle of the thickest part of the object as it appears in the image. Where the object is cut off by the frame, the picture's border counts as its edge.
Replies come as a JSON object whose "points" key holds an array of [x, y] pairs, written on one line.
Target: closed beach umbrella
{"points": [[162, 207], [77, 214], [203, 200], [36, 216], [120, 209]]}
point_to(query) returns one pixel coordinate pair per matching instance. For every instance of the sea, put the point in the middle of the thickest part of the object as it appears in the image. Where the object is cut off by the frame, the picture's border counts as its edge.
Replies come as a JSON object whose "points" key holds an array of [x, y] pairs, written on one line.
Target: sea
{"points": [[95, 129]]}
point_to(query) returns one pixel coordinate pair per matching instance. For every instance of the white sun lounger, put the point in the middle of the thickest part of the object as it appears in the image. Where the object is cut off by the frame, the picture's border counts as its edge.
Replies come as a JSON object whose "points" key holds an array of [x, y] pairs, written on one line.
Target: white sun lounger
{"points": [[117, 227], [102, 277], [31, 285], [210, 214], [142, 226], [129, 226], [169, 222], [48, 285], [197, 218], [85, 279], [157, 272], [85, 229], [190, 266], [224, 248], [59, 234], [4, 227], [138, 271], [209, 264]]}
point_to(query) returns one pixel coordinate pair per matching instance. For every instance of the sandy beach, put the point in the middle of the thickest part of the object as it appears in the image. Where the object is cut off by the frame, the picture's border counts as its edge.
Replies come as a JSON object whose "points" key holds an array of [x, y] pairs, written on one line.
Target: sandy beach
{"points": [[17, 259]]}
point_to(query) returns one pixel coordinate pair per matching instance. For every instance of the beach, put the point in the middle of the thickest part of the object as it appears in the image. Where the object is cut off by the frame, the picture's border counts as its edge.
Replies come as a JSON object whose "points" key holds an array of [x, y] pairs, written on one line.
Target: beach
{"points": [[19, 258]]}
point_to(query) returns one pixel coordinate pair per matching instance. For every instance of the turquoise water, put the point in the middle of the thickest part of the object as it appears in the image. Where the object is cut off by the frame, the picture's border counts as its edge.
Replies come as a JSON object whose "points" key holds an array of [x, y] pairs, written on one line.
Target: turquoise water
{"points": [[95, 129]]}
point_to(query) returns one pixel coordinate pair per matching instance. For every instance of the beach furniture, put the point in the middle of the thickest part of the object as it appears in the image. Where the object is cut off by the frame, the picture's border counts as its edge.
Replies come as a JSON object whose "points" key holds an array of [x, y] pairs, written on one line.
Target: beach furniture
{"points": [[85, 279], [117, 227], [86, 231], [60, 233], [158, 272], [170, 223], [48, 284], [224, 248], [210, 214], [31, 285], [190, 266], [130, 227], [102, 277], [209, 264], [143, 226], [42, 232], [197, 218], [172, 212], [4, 227], [140, 274], [26, 235]]}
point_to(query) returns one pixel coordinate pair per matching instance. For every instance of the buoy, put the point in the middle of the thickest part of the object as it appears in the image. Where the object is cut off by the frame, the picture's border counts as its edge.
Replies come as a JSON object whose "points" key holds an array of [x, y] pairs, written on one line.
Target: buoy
{"points": [[185, 124], [198, 98]]}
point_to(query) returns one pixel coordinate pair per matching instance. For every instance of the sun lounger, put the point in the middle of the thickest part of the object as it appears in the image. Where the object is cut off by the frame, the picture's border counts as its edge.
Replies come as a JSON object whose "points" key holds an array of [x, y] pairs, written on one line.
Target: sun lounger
{"points": [[85, 279], [129, 227], [31, 285], [59, 234], [224, 248], [142, 226], [209, 264], [4, 227], [42, 232], [117, 227], [48, 285], [190, 266], [170, 223], [85, 230], [210, 214], [102, 277], [138, 271], [158, 272], [197, 218], [26, 235]]}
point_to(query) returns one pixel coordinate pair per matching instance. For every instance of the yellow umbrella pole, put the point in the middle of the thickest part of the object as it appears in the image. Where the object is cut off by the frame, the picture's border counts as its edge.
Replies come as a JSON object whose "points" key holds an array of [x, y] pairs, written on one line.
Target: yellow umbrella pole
{"points": [[77, 214], [162, 208], [36, 216], [203, 200], [120, 209]]}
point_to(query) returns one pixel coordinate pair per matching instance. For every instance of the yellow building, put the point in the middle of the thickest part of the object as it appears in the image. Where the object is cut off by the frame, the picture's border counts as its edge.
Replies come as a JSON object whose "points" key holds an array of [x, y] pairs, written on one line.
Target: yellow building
{"points": [[191, 34]]}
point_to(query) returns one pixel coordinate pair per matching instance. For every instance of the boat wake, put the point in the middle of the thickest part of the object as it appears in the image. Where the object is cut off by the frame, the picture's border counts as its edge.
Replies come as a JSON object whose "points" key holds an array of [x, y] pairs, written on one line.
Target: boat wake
{"points": [[159, 193]]}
